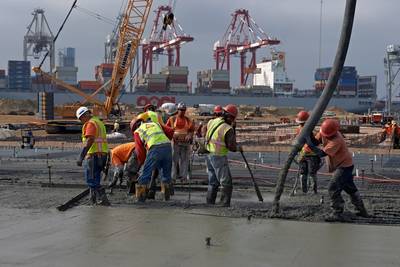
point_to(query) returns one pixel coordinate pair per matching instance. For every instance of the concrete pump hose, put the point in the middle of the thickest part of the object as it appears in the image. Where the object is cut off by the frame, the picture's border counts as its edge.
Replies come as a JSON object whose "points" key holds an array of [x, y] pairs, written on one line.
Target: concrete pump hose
{"points": [[322, 102]]}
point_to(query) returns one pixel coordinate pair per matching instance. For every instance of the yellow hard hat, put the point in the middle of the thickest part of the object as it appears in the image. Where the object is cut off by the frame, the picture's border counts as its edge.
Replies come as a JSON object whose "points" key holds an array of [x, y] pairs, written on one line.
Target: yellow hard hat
{"points": [[143, 116]]}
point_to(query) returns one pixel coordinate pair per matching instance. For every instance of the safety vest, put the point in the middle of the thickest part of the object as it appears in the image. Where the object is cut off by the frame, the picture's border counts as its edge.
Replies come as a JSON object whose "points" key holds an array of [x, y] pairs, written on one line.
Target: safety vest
{"points": [[216, 144], [100, 140], [185, 128], [153, 116], [306, 150], [152, 134]]}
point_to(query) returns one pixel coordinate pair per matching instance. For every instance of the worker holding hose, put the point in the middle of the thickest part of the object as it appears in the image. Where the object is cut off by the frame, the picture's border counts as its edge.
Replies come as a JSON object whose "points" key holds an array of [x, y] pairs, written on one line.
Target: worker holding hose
{"points": [[124, 163], [341, 164], [220, 139], [94, 153], [309, 162]]}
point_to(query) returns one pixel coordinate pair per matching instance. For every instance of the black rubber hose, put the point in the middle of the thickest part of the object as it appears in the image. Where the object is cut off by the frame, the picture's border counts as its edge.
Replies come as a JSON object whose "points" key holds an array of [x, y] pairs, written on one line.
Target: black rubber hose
{"points": [[322, 102]]}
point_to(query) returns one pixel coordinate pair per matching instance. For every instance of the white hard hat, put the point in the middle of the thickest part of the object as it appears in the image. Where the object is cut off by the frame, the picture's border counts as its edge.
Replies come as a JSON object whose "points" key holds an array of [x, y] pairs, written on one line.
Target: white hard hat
{"points": [[80, 111]]}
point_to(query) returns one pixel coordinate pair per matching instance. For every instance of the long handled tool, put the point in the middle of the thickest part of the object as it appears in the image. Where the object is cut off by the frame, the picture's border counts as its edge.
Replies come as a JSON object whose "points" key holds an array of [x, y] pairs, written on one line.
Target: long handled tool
{"points": [[260, 198], [73, 201]]}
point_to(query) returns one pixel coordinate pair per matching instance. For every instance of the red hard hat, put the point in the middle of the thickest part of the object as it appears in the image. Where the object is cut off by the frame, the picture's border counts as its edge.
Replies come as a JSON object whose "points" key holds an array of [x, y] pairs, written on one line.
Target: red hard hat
{"points": [[231, 110], [302, 116], [147, 107], [329, 127], [218, 109]]}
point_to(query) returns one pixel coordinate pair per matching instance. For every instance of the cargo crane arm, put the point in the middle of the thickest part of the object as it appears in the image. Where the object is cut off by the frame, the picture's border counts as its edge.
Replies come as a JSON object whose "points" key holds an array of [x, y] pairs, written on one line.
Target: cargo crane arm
{"points": [[130, 33], [88, 98]]}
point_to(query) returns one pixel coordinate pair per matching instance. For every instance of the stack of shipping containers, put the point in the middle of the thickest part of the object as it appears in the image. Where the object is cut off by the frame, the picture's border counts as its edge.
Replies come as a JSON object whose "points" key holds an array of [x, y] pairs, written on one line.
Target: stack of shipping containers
{"points": [[177, 78], [89, 85], [19, 75], [347, 85], [3, 79], [213, 81]]}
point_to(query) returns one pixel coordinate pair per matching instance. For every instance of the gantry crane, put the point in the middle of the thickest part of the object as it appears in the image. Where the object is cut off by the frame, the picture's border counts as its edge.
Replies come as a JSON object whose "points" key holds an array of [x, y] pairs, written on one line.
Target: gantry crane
{"points": [[166, 35], [243, 35]]}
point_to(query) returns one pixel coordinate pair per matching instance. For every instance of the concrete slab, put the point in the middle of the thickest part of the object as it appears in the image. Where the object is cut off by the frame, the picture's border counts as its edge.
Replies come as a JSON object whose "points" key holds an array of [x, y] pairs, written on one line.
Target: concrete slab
{"points": [[143, 236]]}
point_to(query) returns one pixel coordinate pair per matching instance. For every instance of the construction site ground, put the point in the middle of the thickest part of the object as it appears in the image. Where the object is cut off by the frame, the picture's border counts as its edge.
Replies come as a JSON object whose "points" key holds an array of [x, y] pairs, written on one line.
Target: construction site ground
{"points": [[33, 182]]}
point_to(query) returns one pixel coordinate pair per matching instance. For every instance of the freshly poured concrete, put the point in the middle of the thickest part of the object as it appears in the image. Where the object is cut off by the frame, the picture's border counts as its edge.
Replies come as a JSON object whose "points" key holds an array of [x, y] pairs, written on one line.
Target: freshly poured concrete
{"points": [[125, 236]]}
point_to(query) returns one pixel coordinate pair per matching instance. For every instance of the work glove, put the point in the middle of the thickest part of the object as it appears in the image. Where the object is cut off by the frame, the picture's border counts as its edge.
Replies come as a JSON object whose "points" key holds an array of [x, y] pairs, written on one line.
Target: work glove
{"points": [[79, 162]]}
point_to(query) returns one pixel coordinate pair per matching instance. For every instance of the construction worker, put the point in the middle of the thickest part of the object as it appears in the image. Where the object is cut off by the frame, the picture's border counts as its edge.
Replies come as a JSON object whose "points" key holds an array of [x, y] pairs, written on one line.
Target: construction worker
{"points": [[183, 128], [124, 164], [221, 138], [94, 153], [218, 111], [116, 126], [153, 148], [395, 133], [309, 162], [341, 164]]}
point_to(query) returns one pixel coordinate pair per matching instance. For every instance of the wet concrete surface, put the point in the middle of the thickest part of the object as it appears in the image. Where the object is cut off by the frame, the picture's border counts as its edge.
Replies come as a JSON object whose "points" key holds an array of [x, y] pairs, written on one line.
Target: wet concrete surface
{"points": [[99, 236]]}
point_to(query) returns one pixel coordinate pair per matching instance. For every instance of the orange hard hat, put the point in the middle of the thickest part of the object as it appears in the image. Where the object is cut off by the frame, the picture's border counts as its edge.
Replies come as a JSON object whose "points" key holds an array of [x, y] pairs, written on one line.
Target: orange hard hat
{"points": [[302, 116], [329, 127], [231, 110], [218, 109]]}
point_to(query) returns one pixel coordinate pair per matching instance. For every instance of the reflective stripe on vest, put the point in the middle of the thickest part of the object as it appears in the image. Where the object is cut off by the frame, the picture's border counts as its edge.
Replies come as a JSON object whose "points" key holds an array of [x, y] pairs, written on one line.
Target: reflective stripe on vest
{"points": [[152, 134], [100, 140], [217, 145]]}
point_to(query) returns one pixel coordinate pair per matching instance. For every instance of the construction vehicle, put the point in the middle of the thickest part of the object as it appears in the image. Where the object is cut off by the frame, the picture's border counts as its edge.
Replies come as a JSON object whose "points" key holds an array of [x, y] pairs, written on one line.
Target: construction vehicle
{"points": [[131, 29], [27, 139]]}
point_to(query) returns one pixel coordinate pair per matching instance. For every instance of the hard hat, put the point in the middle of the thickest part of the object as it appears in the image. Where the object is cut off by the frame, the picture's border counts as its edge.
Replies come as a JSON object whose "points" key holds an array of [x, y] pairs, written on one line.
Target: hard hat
{"points": [[302, 116], [149, 106], [329, 127], [231, 110], [181, 106], [394, 123], [218, 109], [80, 111]]}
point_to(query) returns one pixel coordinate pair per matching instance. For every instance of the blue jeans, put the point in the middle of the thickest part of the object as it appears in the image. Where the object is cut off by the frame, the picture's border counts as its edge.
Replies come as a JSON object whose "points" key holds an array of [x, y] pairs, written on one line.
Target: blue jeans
{"points": [[218, 171], [93, 166], [158, 157]]}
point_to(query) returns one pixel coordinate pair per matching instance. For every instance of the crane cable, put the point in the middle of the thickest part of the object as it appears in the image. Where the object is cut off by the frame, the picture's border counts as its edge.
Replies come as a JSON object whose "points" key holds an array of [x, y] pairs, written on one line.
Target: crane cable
{"points": [[58, 32], [96, 15]]}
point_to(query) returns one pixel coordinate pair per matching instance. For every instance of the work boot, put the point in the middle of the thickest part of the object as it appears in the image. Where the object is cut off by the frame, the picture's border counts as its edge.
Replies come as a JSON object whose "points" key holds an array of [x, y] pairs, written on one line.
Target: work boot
{"points": [[171, 189], [102, 197], [226, 196], [166, 190], [117, 176], [151, 194], [211, 195], [359, 205], [141, 193], [304, 185], [314, 184], [336, 216], [92, 196]]}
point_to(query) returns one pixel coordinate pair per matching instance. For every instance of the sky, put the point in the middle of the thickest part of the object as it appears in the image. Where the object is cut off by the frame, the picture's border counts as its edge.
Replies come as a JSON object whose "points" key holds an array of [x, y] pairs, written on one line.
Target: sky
{"points": [[294, 22]]}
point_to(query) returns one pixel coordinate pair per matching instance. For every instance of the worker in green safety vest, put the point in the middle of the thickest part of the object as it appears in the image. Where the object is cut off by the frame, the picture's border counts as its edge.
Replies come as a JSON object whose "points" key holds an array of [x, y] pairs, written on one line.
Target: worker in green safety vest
{"points": [[220, 139], [94, 153]]}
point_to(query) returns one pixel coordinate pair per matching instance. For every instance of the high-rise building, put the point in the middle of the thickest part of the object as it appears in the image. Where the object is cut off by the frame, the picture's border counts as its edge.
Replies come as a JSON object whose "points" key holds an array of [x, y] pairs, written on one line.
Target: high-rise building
{"points": [[19, 74], [66, 69]]}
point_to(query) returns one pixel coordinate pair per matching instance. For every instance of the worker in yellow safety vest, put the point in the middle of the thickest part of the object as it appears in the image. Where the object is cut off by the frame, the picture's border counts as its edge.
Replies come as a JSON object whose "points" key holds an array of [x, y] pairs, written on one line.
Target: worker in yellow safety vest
{"points": [[153, 149], [94, 153], [221, 138]]}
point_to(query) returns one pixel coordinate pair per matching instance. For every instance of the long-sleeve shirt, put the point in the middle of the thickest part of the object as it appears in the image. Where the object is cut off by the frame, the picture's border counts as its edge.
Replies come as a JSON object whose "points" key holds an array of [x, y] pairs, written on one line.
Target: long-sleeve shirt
{"points": [[140, 148]]}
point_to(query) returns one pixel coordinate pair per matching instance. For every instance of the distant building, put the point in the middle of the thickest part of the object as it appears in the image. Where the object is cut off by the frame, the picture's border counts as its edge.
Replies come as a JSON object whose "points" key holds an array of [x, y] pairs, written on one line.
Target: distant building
{"points": [[3, 79], [19, 75], [366, 86], [66, 69], [272, 74]]}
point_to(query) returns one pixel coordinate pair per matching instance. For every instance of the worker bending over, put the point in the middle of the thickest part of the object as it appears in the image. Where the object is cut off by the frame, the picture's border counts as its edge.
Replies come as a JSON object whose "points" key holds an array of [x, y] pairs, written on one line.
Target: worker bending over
{"points": [[309, 162], [94, 153], [221, 138], [153, 149], [183, 128], [124, 163], [341, 164]]}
